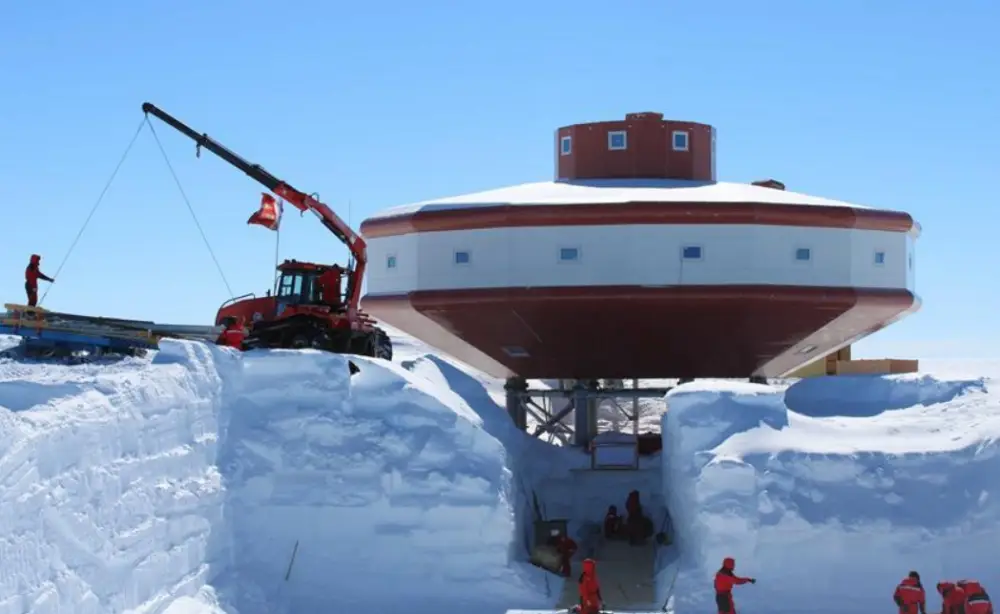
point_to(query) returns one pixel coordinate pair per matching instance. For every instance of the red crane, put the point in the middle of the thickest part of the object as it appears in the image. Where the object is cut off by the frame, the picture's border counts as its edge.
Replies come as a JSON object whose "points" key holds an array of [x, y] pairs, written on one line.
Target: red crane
{"points": [[308, 308]]}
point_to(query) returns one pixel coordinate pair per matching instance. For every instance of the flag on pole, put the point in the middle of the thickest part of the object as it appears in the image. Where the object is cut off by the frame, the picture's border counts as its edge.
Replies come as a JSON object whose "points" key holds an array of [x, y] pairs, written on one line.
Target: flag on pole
{"points": [[269, 213]]}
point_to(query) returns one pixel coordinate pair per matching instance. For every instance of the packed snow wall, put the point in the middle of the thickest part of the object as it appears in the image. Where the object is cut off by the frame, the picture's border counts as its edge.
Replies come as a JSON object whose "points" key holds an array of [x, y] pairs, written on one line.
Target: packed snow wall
{"points": [[183, 483], [832, 504], [110, 499], [397, 501]]}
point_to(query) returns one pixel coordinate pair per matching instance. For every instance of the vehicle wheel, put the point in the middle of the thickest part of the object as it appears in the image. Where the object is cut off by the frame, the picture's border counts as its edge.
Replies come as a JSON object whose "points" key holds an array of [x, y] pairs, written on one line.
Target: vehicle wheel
{"points": [[301, 341], [363, 345], [383, 345]]}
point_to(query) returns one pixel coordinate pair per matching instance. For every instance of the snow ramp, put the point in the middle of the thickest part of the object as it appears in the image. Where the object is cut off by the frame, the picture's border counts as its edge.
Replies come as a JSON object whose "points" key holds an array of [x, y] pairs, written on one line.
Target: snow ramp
{"points": [[830, 508], [203, 481]]}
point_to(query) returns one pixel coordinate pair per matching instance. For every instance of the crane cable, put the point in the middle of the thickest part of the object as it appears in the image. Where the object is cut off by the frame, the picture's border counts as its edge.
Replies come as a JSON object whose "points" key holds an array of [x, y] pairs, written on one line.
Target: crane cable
{"points": [[190, 209], [145, 122], [93, 209]]}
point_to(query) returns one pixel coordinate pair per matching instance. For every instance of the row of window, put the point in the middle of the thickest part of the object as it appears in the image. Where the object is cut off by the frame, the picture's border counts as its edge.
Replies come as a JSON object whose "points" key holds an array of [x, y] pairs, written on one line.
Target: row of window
{"points": [[688, 252], [618, 141]]}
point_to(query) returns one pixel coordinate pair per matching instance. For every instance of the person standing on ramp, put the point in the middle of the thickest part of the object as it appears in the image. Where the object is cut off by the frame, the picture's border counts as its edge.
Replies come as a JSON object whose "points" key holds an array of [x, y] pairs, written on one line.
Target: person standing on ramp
{"points": [[31, 276]]}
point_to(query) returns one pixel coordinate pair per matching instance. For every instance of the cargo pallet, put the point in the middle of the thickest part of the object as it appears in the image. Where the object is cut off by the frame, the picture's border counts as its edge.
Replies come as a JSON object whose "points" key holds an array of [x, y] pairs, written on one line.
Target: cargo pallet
{"points": [[48, 334]]}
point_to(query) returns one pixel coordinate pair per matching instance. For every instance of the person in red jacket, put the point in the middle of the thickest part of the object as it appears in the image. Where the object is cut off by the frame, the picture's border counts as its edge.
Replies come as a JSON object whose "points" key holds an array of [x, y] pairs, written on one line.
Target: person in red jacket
{"points": [[909, 595], [635, 523], [952, 598], [725, 580], [632, 505], [233, 334], [590, 589], [612, 523], [977, 600], [31, 276], [566, 548]]}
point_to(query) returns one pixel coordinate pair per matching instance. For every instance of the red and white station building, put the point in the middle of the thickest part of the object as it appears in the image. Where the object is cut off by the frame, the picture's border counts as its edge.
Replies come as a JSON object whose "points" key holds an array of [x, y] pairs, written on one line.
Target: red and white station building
{"points": [[636, 263]]}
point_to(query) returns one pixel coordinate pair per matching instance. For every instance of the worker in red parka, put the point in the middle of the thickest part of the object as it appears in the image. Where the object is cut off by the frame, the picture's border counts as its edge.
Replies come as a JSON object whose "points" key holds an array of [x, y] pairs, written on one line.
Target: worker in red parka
{"points": [[31, 276], [725, 580], [612, 523], [977, 600], [590, 589], [909, 595], [566, 548], [632, 505], [952, 598], [635, 524], [233, 334]]}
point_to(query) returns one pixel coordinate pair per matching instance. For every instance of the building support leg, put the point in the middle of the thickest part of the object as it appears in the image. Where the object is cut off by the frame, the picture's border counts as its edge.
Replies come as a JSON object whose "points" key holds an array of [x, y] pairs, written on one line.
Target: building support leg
{"points": [[592, 404], [581, 421], [517, 409]]}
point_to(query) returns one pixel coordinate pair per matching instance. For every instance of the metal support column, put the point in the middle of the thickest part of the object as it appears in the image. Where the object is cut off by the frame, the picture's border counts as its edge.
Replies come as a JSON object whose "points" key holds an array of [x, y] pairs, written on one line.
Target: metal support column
{"points": [[581, 421], [585, 400], [517, 409]]}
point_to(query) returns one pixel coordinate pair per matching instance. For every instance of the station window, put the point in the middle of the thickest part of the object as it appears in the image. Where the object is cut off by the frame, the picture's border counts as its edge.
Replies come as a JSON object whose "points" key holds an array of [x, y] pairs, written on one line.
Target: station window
{"points": [[515, 351], [390, 262], [617, 140], [803, 254], [879, 258], [691, 252], [679, 140], [463, 257], [565, 146], [569, 254]]}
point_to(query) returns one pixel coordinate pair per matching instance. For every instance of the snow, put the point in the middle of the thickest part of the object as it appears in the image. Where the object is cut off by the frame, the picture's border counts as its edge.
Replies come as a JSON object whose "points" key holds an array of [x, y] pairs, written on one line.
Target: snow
{"points": [[831, 507], [203, 481], [612, 191], [111, 500], [183, 481]]}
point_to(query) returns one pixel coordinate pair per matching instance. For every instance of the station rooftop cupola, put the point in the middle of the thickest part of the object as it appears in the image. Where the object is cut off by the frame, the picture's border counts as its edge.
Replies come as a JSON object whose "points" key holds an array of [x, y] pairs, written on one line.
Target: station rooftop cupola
{"points": [[642, 146]]}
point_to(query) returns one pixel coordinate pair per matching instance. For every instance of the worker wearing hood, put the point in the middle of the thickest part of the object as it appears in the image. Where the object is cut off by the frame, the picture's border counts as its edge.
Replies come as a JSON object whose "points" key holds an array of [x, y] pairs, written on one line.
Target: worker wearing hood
{"points": [[31, 276], [952, 598], [909, 595], [977, 601], [590, 589], [725, 580]]}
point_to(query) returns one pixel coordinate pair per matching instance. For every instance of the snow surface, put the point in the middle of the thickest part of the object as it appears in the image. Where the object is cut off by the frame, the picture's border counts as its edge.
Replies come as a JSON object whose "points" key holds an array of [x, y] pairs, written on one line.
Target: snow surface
{"points": [[831, 503], [611, 191], [203, 481]]}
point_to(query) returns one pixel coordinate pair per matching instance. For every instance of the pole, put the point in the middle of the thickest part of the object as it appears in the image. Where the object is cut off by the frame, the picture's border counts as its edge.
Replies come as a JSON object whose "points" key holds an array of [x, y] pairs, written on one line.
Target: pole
{"points": [[350, 207], [277, 248]]}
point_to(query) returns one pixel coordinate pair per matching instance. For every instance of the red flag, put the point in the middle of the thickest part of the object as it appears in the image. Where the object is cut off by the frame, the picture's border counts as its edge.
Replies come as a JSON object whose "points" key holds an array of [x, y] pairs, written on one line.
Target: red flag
{"points": [[269, 214]]}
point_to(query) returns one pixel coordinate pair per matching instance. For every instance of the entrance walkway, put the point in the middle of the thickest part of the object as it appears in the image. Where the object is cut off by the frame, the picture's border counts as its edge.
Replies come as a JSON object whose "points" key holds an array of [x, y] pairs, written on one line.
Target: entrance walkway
{"points": [[627, 574]]}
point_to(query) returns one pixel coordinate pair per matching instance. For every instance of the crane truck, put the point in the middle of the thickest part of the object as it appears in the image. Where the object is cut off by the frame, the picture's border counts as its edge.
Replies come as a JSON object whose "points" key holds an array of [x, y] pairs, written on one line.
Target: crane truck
{"points": [[307, 308]]}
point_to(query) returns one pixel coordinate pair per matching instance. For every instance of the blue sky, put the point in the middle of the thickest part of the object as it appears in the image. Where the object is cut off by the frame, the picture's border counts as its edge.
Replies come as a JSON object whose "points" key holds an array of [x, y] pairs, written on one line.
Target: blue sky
{"points": [[892, 103]]}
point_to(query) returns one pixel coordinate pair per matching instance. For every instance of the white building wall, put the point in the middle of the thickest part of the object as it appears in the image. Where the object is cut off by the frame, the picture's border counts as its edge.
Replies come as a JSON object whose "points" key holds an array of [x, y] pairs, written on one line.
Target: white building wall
{"points": [[911, 262], [646, 255]]}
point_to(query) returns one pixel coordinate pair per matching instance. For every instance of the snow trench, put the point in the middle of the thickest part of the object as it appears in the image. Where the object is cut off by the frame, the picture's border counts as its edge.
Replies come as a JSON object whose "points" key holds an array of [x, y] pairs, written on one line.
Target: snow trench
{"points": [[202, 481], [208, 481]]}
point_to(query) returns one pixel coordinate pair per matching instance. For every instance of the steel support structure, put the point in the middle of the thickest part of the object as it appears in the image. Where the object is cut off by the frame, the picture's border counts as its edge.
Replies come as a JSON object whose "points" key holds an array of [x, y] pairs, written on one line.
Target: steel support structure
{"points": [[548, 407]]}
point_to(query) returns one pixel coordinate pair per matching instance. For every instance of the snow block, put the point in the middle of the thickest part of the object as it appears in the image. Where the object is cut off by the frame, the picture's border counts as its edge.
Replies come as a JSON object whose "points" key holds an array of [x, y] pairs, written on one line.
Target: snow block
{"points": [[833, 511], [110, 499], [868, 395], [393, 497]]}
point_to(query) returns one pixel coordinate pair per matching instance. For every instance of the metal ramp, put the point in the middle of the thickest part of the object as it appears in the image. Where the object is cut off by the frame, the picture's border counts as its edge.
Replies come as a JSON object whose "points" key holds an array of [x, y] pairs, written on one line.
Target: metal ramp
{"points": [[627, 575]]}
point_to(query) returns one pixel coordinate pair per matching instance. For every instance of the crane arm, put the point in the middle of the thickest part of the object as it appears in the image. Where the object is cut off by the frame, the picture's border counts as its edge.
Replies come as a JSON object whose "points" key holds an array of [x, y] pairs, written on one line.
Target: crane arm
{"points": [[300, 200]]}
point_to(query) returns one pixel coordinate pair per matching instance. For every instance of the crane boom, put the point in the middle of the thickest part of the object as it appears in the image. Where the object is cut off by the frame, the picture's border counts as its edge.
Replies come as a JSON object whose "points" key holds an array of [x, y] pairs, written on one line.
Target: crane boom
{"points": [[298, 199]]}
